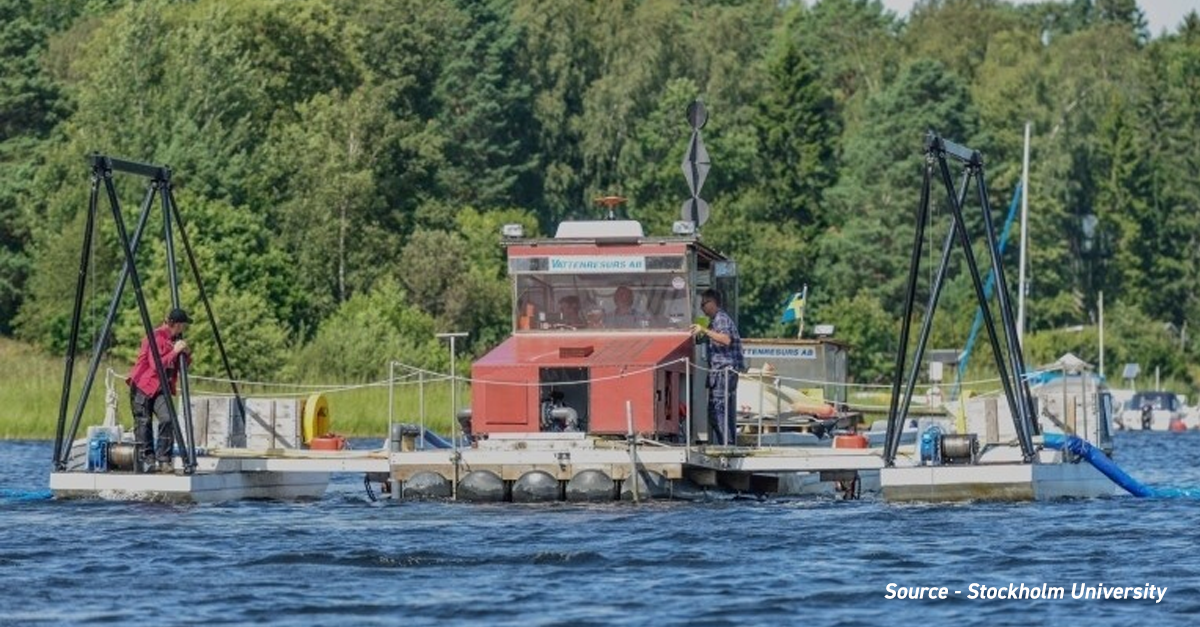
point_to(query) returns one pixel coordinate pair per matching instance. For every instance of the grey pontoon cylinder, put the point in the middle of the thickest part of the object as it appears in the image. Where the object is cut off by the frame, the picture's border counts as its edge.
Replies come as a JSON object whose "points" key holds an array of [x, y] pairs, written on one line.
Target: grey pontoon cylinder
{"points": [[426, 485], [590, 486], [651, 484], [482, 486], [535, 486]]}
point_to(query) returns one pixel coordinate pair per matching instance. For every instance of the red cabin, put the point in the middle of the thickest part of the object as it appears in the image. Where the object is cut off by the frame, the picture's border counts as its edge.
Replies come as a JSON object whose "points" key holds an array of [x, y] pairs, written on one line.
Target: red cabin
{"points": [[600, 323]]}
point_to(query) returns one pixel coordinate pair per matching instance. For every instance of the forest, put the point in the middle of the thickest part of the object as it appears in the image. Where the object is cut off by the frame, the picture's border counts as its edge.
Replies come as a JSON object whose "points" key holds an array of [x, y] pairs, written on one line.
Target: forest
{"points": [[344, 166]]}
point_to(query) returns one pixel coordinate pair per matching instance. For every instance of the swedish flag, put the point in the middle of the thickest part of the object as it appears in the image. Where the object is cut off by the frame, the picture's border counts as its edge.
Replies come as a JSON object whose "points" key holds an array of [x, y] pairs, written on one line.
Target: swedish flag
{"points": [[793, 309]]}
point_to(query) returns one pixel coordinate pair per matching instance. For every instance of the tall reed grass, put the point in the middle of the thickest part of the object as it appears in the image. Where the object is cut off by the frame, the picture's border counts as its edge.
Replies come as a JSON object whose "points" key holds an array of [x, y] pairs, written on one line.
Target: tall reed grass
{"points": [[30, 389], [31, 386]]}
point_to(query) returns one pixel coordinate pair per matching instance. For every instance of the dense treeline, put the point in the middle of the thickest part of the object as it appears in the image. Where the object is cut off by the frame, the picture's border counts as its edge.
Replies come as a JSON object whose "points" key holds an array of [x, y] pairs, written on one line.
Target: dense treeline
{"points": [[345, 165]]}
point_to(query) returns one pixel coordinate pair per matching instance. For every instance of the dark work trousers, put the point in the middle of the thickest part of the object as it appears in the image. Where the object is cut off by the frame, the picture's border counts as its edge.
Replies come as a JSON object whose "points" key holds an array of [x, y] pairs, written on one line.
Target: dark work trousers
{"points": [[722, 406], [146, 408]]}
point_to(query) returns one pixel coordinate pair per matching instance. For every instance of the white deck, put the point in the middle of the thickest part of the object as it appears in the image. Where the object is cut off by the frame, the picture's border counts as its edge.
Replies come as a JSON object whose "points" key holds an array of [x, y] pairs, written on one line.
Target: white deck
{"points": [[227, 475], [207, 487], [289, 460], [1009, 481], [232, 474]]}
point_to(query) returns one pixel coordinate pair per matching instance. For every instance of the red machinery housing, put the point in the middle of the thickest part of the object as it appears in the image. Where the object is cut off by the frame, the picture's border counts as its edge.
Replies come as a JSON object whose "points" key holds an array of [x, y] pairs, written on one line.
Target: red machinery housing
{"points": [[596, 376], [600, 323]]}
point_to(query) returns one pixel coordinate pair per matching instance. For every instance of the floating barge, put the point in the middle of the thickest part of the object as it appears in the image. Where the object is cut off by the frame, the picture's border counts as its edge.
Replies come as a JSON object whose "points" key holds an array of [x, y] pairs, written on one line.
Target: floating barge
{"points": [[528, 468], [571, 410], [598, 394]]}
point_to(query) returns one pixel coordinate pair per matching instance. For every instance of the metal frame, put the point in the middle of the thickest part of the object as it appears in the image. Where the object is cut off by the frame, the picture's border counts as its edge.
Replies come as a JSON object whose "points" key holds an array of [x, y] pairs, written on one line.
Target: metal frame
{"points": [[1011, 364], [160, 184]]}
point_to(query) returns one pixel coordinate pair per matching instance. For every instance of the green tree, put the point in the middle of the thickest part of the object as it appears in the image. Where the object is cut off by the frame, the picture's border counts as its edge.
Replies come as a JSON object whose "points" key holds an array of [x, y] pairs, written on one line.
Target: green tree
{"points": [[31, 101], [256, 341], [650, 162], [722, 50], [1131, 336], [404, 46], [45, 314], [636, 43], [710, 52], [1083, 84], [442, 281], [31, 105], [237, 252], [331, 215], [875, 198], [1122, 208], [250, 283], [1124, 13], [487, 309], [1170, 117], [773, 260], [797, 132], [367, 331], [957, 32], [1009, 91], [560, 60], [484, 110], [195, 86], [481, 232], [862, 322], [855, 45]]}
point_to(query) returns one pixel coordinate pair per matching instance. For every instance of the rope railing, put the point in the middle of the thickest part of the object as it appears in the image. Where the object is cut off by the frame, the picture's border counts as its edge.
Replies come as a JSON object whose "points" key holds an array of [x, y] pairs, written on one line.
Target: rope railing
{"points": [[415, 375], [308, 389], [818, 382], [621, 375], [408, 375], [337, 390], [432, 376], [271, 384]]}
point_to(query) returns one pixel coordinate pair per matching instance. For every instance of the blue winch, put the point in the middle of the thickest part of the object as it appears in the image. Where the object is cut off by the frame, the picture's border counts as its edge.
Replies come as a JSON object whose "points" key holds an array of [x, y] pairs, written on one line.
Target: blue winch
{"points": [[931, 446], [97, 454]]}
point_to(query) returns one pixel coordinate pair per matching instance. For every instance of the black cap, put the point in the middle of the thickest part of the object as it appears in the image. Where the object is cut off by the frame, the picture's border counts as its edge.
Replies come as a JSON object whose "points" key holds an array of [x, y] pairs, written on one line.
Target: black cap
{"points": [[178, 315]]}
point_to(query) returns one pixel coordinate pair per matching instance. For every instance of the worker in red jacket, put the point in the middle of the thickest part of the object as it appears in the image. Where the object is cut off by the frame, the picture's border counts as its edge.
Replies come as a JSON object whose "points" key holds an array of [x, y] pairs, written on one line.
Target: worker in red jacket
{"points": [[146, 393]]}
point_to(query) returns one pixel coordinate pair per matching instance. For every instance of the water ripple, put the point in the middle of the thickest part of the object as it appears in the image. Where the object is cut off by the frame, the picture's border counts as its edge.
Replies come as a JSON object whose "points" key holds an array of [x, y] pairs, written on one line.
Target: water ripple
{"points": [[347, 560]]}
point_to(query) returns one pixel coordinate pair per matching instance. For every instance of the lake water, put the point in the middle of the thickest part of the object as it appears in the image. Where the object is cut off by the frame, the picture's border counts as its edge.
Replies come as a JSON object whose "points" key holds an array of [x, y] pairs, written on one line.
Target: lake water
{"points": [[347, 560]]}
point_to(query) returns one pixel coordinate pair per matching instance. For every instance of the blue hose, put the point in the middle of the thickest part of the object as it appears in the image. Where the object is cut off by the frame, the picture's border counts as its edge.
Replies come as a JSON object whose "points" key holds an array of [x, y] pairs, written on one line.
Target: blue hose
{"points": [[8, 496], [433, 440], [1108, 468]]}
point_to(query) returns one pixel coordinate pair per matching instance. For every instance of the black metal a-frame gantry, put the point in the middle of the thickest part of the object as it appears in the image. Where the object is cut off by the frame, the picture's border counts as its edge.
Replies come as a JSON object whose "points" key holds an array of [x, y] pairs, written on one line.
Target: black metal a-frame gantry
{"points": [[1011, 363], [160, 183]]}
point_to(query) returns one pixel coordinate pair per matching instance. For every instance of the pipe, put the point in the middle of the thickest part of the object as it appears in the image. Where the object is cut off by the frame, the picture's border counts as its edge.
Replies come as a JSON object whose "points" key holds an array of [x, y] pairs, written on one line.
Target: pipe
{"points": [[632, 449], [434, 440], [568, 415], [1108, 468]]}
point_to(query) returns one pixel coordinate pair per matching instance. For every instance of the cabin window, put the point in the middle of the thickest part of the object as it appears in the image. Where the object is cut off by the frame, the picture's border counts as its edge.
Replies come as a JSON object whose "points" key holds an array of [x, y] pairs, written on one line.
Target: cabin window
{"points": [[654, 295]]}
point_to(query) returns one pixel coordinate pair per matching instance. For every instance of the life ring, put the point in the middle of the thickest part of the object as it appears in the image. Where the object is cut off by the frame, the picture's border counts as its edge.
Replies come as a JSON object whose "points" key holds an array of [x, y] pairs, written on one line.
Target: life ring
{"points": [[315, 419]]}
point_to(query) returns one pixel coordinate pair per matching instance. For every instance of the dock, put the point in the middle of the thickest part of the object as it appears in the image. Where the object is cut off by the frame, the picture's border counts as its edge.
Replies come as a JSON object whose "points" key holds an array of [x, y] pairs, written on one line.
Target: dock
{"points": [[546, 467]]}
